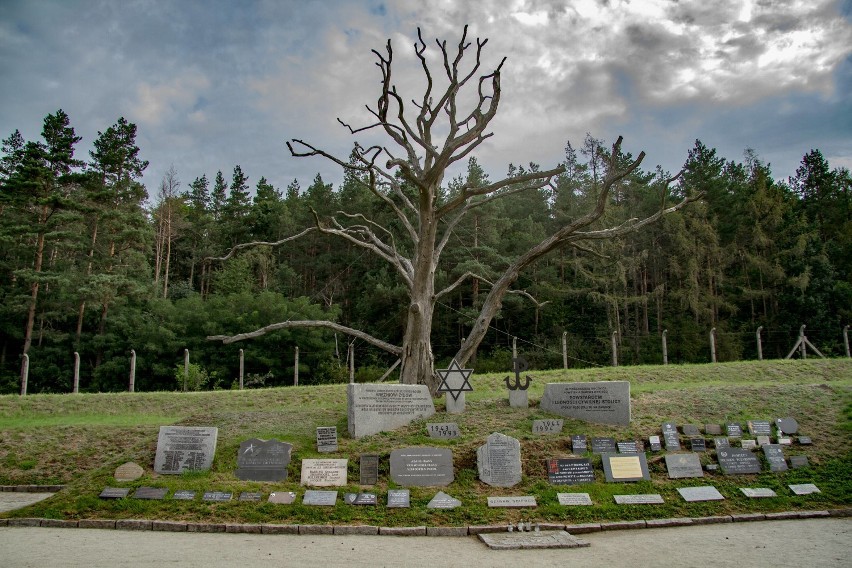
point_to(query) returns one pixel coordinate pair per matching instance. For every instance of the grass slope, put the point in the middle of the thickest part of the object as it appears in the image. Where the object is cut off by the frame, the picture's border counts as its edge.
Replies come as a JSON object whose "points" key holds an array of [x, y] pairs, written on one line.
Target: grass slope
{"points": [[79, 440]]}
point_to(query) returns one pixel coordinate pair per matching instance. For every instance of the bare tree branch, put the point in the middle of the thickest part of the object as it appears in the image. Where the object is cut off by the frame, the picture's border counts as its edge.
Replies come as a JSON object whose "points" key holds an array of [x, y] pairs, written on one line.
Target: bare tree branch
{"points": [[242, 246]]}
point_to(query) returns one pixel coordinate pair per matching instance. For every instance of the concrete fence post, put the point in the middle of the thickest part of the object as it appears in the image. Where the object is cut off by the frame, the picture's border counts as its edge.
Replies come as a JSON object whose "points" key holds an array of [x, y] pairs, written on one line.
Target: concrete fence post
{"points": [[132, 386], [665, 347], [76, 386]]}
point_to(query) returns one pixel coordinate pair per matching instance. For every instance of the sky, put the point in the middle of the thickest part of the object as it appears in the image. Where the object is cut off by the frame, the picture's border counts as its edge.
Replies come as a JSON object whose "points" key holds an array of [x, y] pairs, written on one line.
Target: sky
{"points": [[218, 83]]}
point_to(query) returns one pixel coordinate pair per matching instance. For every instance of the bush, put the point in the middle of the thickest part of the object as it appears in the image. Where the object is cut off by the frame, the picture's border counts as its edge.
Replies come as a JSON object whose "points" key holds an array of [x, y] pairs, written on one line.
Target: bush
{"points": [[195, 379]]}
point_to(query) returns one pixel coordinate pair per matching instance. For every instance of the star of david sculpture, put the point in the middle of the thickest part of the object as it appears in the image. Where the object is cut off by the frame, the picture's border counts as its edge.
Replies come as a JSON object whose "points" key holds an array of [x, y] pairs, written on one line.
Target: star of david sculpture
{"points": [[454, 380]]}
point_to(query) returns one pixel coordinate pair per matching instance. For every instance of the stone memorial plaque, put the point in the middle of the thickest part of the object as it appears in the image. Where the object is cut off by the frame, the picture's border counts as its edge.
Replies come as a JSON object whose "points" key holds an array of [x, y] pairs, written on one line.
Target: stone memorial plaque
{"points": [[704, 493], [422, 467], [604, 446], [734, 430], [185, 448], [691, 430], [216, 496], [282, 497], [317, 498], [374, 408], [721, 442], [798, 462], [579, 444], [618, 468], [571, 471], [152, 493], [499, 461], [698, 444], [360, 499], [805, 440], [443, 430], [683, 465], [784, 441], [787, 425], [183, 495], [114, 493], [531, 540], [552, 426], [712, 467], [671, 437], [263, 460], [627, 447], [712, 429], [443, 501], [759, 427], [128, 472], [323, 472], [369, 469], [399, 498], [763, 440], [736, 461], [326, 439], [748, 444], [603, 402], [512, 502], [774, 454], [804, 488], [574, 499], [647, 499], [758, 492], [250, 496], [654, 442]]}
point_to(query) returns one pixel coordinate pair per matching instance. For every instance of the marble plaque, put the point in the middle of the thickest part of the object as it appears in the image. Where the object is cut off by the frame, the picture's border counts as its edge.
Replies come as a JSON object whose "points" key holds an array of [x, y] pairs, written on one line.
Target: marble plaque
{"points": [[250, 496], [263, 460], [317, 498], [712, 429], [787, 425], [443, 501], [326, 439], [759, 427], [671, 436], [629, 447], [618, 468], [422, 467], [369, 469], [571, 471], [804, 488], [603, 402], [798, 462], [762, 440], [499, 461], [758, 492], [374, 408], [691, 430], [399, 498], [114, 493], [736, 461], [443, 430], [705, 493], [579, 444], [721, 442], [647, 499], [785, 441], [774, 454], [574, 499], [152, 493], [183, 495], [748, 444], [604, 446], [551, 426], [683, 465], [360, 499], [216, 496], [734, 430], [654, 442], [324, 472], [128, 472], [282, 497], [185, 448], [512, 502]]}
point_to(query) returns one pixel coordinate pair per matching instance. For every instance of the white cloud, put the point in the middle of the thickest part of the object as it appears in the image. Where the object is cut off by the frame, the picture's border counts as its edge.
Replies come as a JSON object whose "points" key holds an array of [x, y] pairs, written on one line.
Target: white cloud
{"points": [[162, 101]]}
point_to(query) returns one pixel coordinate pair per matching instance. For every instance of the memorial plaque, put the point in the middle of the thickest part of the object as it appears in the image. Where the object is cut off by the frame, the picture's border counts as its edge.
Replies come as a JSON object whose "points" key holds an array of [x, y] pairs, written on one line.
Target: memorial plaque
{"points": [[152, 493], [369, 469], [604, 446], [360, 499], [512, 502], [691, 430], [784, 441], [183, 495], [704, 493], [422, 467], [604, 402], [698, 444], [804, 488], [399, 498], [654, 442], [748, 444], [787, 425], [762, 440], [571, 471], [805, 440], [250, 496], [579, 444], [712, 467], [185, 448], [683, 465], [263, 460], [798, 462], [734, 430], [721, 442], [712, 429], [317, 498], [735, 461], [628, 447], [216, 496], [647, 499], [499, 461], [759, 428], [774, 454], [282, 497], [758, 492], [128, 472], [374, 408], [574, 499], [443, 430], [326, 439], [551, 426], [443, 501], [531, 540], [323, 472], [671, 437], [114, 493], [618, 468]]}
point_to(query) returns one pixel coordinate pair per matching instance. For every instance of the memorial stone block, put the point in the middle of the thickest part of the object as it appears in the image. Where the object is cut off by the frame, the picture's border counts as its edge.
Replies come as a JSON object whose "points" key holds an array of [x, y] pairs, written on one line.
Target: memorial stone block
{"points": [[499, 461], [183, 448], [759, 427], [683, 465], [774, 454], [785, 441], [691, 430], [360, 499], [604, 446], [319, 498], [734, 430], [646, 499], [263, 460], [627, 447], [324, 472], [327, 439], [654, 442], [787, 425], [671, 437], [128, 472], [399, 498], [282, 497], [152, 493], [805, 440], [369, 469], [704, 493], [183, 495], [552, 426], [619, 468], [571, 471], [721, 442], [798, 462], [250, 496], [698, 444], [443, 501], [422, 467], [216, 496], [374, 408], [804, 488], [114, 493], [748, 444], [443, 430], [712, 429], [758, 492], [736, 461], [762, 440], [579, 444], [604, 402], [512, 502], [574, 499]]}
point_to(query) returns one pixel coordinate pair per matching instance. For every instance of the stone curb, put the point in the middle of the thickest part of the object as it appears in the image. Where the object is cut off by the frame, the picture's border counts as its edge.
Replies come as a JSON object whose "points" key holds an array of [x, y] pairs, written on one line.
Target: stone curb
{"points": [[356, 529], [31, 488], [403, 531]]}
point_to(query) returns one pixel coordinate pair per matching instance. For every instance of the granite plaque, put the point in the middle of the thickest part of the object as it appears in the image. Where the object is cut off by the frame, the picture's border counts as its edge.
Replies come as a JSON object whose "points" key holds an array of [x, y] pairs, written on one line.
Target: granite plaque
{"points": [[250, 496], [422, 467], [374, 408], [570, 471], [326, 439], [774, 454], [619, 468], [499, 461], [762, 440], [683, 465], [759, 428], [443, 430], [317, 498], [282, 497], [736, 461], [785, 441], [704, 493], [721, 442], [574, 499], [671, 437], [804, 488], [734, 430], [183, 495], [114, 493], [698, 444], [185, 448], [604, 446], [787, 425], [551, 426], [748, 444], [369, 469], [512, 502], [691, 430], [579, 444], [758, 492], [152, 493], [647, 499], [323, 472], [805, 440], [360, 499], [399, 498], [798, 462], [216, 496], [443, 501], [712, 429], [603, 402], [628, 447], [263, 460], [654, 442], [128, 472]]}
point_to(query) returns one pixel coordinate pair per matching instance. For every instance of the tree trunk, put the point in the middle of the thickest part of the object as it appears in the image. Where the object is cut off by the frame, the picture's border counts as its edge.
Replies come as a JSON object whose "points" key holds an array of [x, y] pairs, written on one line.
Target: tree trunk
{"points": [[39, 256]]}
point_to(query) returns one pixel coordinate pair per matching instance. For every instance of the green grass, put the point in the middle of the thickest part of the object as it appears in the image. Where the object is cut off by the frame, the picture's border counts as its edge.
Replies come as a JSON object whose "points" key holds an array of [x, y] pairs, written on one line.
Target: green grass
{"points": [[79, 440]]}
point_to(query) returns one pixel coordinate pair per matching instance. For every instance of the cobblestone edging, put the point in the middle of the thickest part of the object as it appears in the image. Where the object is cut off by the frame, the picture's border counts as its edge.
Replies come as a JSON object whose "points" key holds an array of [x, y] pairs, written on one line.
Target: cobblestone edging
{"points": [[584, 528]]}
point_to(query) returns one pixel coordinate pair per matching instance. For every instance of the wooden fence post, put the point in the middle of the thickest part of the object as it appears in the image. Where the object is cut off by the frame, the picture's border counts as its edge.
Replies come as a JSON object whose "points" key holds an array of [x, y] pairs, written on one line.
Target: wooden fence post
{"points": [[296, 369], [132, 386], [665, 347], [351, 359], [25, 373], [564, 349], [614, 349], [76, 386], [242, 368], [759, 344], [713, 345]]}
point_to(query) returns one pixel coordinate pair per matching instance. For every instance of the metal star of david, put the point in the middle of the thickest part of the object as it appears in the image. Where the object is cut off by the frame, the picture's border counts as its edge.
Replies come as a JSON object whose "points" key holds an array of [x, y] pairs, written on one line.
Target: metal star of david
{"points": [[454, 372]]}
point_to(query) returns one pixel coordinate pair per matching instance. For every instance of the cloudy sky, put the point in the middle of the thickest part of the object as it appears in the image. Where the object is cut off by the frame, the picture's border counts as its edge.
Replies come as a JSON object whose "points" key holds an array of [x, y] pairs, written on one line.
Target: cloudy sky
{"points": [[222, 82]]}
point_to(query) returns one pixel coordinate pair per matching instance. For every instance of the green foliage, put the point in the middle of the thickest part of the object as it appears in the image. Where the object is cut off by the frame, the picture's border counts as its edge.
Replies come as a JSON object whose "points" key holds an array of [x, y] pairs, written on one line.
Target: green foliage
{"points": [[192, 377]]}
